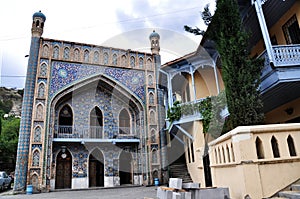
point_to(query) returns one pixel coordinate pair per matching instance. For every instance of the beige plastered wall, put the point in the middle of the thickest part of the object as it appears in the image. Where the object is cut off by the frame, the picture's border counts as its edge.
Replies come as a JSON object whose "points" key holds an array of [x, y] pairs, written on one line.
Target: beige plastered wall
{"points": [[276, 29], [247, 174]]}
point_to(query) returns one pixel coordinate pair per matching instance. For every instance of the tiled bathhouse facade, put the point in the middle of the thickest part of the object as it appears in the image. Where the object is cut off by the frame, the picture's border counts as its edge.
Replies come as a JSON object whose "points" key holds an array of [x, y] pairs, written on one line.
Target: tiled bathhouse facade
{"points": [[89, 115]]}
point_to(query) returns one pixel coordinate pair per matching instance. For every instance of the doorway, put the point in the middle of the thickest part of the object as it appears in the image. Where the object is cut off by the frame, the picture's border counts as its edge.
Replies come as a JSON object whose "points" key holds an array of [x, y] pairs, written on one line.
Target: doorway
{"points": [[63, 170], [125, 168], [96, 169]]}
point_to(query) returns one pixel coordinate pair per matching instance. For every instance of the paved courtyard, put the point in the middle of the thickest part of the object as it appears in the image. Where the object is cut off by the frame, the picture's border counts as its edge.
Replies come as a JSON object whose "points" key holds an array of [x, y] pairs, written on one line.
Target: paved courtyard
{"points": [[105, 193]]}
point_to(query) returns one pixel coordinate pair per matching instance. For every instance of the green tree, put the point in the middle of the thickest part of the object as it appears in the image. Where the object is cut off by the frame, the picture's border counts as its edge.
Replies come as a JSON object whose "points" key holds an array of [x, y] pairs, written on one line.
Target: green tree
{"points": [[9, 139], [240, 72]]}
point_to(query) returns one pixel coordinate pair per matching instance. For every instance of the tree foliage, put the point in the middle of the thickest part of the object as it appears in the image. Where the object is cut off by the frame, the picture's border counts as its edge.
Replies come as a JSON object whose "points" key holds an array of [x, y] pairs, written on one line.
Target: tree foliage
{"points": [[241, 73], [206, 17], [9, 138]]}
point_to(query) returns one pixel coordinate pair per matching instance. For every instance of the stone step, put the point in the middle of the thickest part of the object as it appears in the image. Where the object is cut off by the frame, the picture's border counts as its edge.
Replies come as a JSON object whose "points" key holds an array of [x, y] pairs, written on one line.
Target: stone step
{"points": [[295, 187], [290, 194]]}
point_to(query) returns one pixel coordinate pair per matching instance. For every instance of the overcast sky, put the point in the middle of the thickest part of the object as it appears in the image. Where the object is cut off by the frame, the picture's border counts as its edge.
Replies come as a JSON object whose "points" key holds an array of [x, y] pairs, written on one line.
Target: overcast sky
{"points": [[96, 22]]}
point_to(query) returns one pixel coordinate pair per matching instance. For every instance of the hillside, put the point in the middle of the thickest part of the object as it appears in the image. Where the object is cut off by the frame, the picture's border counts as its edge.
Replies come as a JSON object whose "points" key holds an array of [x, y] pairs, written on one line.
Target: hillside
{"points": [[11, 101]]}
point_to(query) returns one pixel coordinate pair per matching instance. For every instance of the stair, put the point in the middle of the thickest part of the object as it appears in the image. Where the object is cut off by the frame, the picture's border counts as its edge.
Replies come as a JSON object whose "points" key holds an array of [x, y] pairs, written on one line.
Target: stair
{"points": [[294, 193], [179, 170]]}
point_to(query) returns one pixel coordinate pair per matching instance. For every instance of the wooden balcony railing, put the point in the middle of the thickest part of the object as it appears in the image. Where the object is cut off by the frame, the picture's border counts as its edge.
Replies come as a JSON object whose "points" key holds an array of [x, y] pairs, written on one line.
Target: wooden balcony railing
{"points": [[284, 55]]}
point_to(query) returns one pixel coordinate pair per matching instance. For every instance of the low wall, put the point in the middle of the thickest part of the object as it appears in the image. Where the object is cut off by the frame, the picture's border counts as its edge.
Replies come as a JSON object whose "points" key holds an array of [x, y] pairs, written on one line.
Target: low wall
{"points": [[256, 160]]}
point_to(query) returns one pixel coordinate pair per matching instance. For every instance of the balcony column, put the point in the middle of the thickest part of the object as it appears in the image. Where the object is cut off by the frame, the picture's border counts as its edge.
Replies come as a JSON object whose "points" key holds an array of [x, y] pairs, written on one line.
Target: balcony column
{"points": [[193, 81], [170, 92], [216, 78], [264, 29]]}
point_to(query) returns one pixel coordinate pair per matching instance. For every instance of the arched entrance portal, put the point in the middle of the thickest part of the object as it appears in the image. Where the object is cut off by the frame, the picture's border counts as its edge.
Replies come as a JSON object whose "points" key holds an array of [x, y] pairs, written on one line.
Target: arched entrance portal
{"points": [[125, 169], [63, 170], [96, 169]]}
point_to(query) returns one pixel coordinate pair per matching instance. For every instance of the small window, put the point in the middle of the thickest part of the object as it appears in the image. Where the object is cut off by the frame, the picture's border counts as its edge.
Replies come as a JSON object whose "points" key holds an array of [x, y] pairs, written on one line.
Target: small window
{"points": [[76, 54], [192, 152], [123, 59], [37, 134], [43, 70], [96, 57], [39, 112], [67, 53], [275, 148], [291, 31], [86, 56], [41, 90], [105, 58], [291, 146], [259, 148], [151, 99], [141, 62], [132, 61], [55, 52], [36, 158], [45, 51], [153, 136], [154, 156], [115, 60]]}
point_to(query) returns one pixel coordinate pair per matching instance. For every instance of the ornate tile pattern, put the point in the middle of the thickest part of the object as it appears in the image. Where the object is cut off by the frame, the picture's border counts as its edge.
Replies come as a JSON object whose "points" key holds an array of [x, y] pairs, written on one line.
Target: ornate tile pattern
{"points": [[25, 125], [64, 74]]}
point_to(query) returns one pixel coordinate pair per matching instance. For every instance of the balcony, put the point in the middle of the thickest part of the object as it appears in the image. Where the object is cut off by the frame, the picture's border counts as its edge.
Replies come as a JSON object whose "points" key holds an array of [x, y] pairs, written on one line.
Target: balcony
{"points": [[280, 83], [92, 133]]}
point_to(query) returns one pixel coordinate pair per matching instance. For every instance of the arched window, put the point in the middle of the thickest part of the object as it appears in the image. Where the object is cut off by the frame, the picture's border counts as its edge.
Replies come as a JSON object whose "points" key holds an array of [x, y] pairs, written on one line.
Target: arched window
{"points": [[291, 145], [150, 80], [96, 57], [152, 117], [153, 136], [66, 53], [41, 90], [115, 59], [132, 61], [123, 61], [275, 148], [76, 54], [43, 70], [105, 58], [124, 122], [39, 111], [37, 23], [96, 123], [65, 120], [259, 148], [55, 52], [154, 156], [149, 63], [37, 134], [86, 56], [36, 158], [45, 51], [151, 99], [141, 62]]}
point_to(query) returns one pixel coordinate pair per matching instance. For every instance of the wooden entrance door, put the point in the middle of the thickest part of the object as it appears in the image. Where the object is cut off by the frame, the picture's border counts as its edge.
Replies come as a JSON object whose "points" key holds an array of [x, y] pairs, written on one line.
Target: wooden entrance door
{"points": [[63, 170], [125, 169], [96, 169]]}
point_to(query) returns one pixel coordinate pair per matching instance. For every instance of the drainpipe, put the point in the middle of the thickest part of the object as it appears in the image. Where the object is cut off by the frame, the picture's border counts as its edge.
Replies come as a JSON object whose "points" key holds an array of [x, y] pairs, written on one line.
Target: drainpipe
{"points": [[262, 22]]}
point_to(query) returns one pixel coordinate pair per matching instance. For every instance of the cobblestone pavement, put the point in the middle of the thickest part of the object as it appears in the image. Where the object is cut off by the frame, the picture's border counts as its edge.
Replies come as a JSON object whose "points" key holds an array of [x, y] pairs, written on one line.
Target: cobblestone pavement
{"points": [[104, 193]]}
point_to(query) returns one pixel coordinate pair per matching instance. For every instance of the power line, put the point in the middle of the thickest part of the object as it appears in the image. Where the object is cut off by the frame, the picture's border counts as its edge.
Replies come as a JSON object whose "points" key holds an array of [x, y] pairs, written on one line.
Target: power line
{"points": [[138, 19]]}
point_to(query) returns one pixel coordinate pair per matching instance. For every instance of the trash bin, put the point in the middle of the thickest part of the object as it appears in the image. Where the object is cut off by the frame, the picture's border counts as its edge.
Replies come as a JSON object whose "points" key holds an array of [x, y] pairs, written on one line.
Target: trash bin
{"points": [[156, 181], [29, 189]]}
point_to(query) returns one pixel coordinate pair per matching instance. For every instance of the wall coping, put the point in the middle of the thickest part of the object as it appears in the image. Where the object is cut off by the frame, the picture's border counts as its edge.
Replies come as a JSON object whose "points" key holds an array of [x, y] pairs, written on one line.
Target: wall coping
{"points": [[244, 130]]}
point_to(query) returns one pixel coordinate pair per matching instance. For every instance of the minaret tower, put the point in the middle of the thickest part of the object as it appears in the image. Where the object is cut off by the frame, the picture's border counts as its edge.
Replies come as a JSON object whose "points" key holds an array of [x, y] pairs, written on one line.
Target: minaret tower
{"points": [[27, 105], [154, 39]]}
